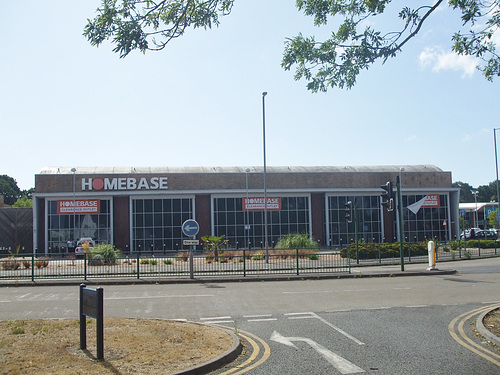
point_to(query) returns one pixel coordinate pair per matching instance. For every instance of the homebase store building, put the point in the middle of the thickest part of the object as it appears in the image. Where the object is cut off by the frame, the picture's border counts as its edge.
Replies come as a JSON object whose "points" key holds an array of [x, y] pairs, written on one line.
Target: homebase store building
{"points": [[143, 209]]}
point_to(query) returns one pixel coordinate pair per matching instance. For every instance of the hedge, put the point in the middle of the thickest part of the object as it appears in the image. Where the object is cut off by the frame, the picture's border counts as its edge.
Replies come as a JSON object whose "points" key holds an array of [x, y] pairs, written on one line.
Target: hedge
{"points": [[368, 250], [483, 244]]}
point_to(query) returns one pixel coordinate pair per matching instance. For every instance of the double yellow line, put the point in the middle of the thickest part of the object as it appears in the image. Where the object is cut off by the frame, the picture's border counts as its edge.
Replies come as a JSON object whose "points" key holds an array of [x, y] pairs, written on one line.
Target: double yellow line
{"points": [[253, 361], [456, 329]]}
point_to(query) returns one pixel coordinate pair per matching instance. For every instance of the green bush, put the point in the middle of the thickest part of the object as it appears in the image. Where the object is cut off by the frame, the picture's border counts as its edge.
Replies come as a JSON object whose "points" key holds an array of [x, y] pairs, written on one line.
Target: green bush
{"points": [[108, 253], [483, 244], [369, 250], [296, 241]]}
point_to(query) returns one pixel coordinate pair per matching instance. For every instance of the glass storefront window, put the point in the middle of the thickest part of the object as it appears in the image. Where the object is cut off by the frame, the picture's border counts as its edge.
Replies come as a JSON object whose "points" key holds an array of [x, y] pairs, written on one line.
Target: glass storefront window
{"points": [[64, 227], [230, 219], [340, 232], [157, 223]]}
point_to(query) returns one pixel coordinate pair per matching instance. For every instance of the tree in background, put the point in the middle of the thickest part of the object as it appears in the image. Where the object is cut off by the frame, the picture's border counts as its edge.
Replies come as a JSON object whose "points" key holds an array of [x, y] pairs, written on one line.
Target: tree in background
{"points": [[9, 189], [23, 202], [335, 62], [492, 219], [465, 191], [487, 193], [12, 193]]}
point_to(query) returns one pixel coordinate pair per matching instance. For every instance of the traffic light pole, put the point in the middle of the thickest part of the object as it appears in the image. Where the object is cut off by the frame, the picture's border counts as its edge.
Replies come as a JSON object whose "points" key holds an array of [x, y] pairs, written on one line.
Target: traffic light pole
{"points": [[400, 222], [355, 214]]}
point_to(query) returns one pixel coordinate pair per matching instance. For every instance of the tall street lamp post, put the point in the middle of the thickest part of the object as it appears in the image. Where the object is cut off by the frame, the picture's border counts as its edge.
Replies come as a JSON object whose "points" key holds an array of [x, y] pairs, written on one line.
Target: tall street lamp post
{"points": [[265, 181], [496, 165], [247, 219], [74, 203], [475, 212]]}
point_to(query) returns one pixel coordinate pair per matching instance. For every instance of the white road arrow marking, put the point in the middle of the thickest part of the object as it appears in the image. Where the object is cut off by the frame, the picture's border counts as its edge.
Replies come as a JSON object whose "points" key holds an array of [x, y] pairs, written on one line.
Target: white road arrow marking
{"points": [[341, 364]]}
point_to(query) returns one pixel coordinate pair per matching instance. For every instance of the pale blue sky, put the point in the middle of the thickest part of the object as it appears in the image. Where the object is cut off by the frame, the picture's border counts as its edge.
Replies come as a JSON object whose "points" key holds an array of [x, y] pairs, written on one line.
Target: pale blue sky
{"points": [[198, 102]]}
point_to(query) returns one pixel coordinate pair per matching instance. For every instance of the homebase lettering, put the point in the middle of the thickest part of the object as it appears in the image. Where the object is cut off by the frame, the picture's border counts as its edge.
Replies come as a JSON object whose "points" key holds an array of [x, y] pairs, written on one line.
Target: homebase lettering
{"points": [[125, 183]]}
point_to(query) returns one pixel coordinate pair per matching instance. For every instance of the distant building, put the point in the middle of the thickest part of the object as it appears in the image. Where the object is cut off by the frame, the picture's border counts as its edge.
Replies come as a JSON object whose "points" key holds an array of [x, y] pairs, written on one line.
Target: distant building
{"points": [[475, 215], [143, 209]]}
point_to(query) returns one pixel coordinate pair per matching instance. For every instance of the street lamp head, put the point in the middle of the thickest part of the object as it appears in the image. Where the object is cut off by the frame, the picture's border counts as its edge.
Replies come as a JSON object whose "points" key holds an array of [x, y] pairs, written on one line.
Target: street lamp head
{"points": [[73, 170], [264, 93], [247, 170]]}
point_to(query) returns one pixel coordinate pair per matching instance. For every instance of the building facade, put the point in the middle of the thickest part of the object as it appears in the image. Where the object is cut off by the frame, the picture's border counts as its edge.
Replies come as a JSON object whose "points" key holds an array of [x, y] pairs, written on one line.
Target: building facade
{"points": [[143, 209]]}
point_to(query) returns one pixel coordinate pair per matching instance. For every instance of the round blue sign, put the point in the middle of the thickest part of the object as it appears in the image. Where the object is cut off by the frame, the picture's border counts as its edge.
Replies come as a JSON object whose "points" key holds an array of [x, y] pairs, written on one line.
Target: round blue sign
{"points": [[190, 227]]}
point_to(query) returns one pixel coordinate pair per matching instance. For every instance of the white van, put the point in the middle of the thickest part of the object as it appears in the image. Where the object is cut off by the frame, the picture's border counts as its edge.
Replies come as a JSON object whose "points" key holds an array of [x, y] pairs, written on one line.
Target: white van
{"points": [[81, 241]]}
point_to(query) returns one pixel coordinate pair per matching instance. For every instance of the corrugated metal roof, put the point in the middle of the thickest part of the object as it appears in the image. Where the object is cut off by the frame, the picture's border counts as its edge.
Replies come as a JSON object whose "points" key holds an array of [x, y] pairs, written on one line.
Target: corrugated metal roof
{"points": [[282, 169]]}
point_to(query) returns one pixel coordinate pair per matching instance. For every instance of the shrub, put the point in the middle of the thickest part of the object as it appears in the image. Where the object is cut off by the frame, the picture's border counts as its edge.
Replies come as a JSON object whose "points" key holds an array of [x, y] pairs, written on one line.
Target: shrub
{"points": [[296, 241], [483, 244], [108, 253], [387, 250], [259, 256], [41, 263], [183, 256], [10, 264], [97, 260], [168, 261]]}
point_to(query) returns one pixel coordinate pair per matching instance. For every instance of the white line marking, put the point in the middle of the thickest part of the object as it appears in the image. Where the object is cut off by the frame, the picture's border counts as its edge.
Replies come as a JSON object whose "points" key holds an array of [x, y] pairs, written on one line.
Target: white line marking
{"points": [[339, 330], [156, 297], [341, 364], [262, 320], [378, 308], [417, 306], [300, 313], [257, 316], [341, 310], [216, 318]]}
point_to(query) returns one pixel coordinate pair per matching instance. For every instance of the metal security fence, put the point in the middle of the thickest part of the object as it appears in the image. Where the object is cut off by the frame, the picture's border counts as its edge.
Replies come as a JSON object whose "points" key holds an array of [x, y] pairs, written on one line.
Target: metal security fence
{"points": [[240, 263], [445, 251], [176, 265]]}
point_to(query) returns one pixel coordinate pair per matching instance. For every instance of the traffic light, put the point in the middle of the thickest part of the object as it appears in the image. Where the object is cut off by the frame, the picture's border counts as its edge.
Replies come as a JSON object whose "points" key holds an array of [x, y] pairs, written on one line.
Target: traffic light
{"points": [[348, 212], [387, 196]]}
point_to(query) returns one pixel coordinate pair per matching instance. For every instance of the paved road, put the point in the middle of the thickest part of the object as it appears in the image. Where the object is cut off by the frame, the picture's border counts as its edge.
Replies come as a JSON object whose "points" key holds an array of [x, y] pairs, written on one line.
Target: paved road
{"points": [[391, 325]]}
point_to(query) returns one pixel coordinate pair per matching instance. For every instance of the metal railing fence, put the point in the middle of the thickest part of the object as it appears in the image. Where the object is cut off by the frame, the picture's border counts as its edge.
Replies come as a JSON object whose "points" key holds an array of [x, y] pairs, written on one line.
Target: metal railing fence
{"points": [[176, 265], [241, 263]]}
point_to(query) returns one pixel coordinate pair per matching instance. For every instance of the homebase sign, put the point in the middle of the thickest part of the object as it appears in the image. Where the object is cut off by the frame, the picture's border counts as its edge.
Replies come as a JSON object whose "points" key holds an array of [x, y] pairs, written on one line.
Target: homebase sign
{"points": [[125, 183]]}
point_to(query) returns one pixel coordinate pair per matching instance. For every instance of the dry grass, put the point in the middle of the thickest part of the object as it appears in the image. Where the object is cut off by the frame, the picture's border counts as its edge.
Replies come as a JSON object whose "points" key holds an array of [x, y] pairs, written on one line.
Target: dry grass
{"points": [[131, 346], [492, 322]]}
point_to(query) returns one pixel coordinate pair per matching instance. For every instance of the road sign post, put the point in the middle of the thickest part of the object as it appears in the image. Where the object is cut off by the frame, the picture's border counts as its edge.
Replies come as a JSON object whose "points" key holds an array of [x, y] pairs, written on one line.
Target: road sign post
{"points": [[191, 228], [91, 305]]}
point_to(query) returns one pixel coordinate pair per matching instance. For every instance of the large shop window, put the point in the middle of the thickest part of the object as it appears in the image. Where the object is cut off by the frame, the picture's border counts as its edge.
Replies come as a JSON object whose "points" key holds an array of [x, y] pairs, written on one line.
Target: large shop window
{"points": [[291, 216], [430, 222], [89, 218], [340, 232], [157, 223]]}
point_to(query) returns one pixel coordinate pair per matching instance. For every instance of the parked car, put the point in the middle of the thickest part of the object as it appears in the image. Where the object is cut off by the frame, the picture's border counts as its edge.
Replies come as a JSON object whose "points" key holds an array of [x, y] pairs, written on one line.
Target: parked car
{"points": [[79, 245], [470, 233], [488, 233], [473, 233]]}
